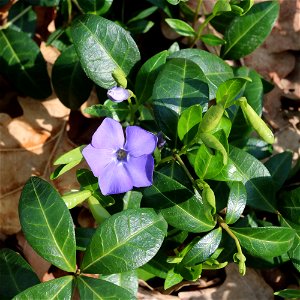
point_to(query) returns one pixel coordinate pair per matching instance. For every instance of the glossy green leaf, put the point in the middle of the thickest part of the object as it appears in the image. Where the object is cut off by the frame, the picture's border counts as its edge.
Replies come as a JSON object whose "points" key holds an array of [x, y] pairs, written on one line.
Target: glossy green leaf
{"points": [[295, 249], [181, 27], [229, 90], [16, 273], [189, 118], [245, 33], [211, 40], [236, 201], [116, 111], [265, 241], [23, 64], [290, 206], [279, 167], [92, 288], [132, 199], [179, 206], [204, 248], [70, 83], [140, 26], [97, 7], [179, 85], [43, 2], [172, 278], [47, 224], [135, 237], [63, 169], [288, 293], [70, 156], [147, 75], [72, 199], [102, 47], [127, 280], [214, 68], [256, 178], [58, 289], [26, 21], [221, 6], [229, 173], [143, 14]]}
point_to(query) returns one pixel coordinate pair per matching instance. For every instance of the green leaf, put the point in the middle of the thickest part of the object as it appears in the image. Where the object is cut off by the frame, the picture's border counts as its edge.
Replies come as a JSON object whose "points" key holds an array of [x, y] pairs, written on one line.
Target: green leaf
{"points": [[204, 248], [143, 14], [147, 75], [236, 201], [91, 288], [173, 277], [70, 83], [127, 280], [181, 27], [58, 289], [116, 111], [135, 237], [178, 205], [214, 68], [212, 40], [23, 64], [179, 85], [70, 156], [26, 20], [140, 26], [288, 293], [245, 33], [256, 178], [102, 47], [97, 7], [63, 169], [132, 199], [229, 90], [265, 241], [295, 249], [221, 6], [72, 199], [47, 224], [16, 273], [229, 173], [290, 206], [279, 167], [190, 117]]}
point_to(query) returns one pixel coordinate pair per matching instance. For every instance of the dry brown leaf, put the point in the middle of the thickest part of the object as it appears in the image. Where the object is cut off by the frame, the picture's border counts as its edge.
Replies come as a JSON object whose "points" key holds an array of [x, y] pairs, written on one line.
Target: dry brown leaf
{"points": [[28, 146], [39, 265], [235, 287]]}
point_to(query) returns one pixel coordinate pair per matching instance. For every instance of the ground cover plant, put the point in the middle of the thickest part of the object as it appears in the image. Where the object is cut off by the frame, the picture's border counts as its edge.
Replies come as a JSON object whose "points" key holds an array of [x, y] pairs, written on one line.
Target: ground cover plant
{"points": [[179, 176]]}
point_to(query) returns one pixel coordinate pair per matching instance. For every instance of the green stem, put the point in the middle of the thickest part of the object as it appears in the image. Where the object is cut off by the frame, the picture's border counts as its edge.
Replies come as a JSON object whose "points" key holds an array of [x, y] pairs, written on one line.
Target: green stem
{"points": [[98, 211], [182, 164], [200, 29], [16, 17], [197, 11], [240, 255]]}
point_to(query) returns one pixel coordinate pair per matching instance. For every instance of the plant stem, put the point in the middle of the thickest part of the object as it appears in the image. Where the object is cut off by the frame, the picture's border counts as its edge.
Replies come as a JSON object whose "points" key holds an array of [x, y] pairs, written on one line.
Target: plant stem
{"points": [[241, 257], [200, 29], [197, 12], [182, 164], [16, 17]]}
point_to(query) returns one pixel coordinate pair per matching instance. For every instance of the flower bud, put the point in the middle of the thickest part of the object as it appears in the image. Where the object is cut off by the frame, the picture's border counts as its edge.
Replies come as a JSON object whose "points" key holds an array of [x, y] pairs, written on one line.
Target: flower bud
{"points": [[118, 94]]}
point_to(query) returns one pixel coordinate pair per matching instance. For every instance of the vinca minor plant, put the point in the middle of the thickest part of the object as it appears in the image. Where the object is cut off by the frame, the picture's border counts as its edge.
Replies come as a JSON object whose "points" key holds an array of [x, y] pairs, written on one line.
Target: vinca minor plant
{"points": [[173, 176]]}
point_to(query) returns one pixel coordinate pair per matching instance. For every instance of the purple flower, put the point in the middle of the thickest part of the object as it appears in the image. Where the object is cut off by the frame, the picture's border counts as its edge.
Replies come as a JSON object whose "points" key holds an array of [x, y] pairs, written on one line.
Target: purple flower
{"points": [[118, 94], [121, 165]]}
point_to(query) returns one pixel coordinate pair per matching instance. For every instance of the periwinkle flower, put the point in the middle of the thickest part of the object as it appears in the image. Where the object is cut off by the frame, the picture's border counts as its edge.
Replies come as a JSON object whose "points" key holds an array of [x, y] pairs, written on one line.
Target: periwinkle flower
{"points": [[121, 165], [118, 94]]}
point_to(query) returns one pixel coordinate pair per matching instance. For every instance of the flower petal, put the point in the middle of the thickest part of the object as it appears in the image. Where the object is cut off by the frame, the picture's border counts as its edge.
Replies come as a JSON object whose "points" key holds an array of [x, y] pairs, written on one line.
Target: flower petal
{"points": [[109, 135], [118, 94], [139, 141], [115, 180], [97, 159], [140, 170]]}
